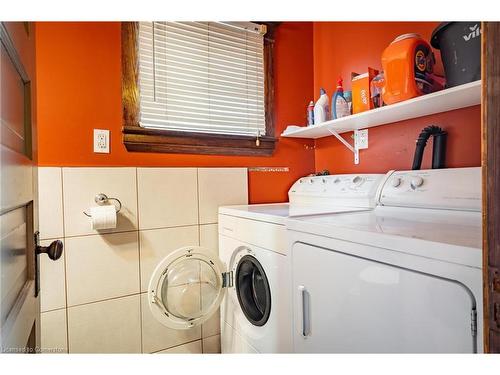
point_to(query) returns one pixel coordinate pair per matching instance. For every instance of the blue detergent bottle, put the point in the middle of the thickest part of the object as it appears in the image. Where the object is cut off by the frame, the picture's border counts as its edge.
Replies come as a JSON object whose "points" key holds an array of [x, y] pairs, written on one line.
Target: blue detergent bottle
{"points": [[340, 106]]}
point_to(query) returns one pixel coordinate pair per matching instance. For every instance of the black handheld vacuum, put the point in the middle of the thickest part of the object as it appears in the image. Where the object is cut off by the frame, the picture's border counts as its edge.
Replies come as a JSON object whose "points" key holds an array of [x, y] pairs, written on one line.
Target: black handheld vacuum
{"points": [[438, 147]]}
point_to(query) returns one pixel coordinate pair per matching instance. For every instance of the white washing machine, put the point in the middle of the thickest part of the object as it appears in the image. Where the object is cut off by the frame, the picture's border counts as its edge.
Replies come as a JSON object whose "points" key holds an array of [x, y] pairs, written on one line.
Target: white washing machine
{"points": [[250, 280], [404, 277]]}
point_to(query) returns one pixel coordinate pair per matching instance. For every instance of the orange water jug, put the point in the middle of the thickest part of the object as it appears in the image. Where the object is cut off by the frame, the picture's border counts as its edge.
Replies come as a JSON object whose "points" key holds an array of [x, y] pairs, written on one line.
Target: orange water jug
{"points": [[407, 62]]}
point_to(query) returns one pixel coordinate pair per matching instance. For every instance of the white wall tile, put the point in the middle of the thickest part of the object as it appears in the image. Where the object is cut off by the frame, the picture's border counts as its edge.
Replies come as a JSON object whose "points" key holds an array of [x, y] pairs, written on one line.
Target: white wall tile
{"points": [[50, 202], [52, 281], [212, 326], [102, 266], [211, 344], [155, 244], [80, 185], [54, 332], [167, 197], [189, 348], [112, 326], [220, 187], [156, 336], [209, 237]]}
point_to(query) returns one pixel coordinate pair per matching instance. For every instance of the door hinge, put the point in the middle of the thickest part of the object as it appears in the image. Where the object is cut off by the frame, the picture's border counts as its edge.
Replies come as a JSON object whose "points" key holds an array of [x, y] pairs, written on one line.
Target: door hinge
{"points": [[496, 313], [473, 322], [227, 279]]}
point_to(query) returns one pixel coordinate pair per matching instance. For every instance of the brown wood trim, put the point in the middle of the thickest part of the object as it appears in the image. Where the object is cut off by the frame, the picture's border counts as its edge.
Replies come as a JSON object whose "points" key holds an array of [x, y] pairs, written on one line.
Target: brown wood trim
{"points": [[130, 74], [138, 139], [491, 183], [269, 78]]}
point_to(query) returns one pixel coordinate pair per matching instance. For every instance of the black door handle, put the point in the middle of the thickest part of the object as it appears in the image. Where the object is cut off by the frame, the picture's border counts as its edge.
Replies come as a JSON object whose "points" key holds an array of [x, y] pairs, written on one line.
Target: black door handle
{"points": [[54, 250]]}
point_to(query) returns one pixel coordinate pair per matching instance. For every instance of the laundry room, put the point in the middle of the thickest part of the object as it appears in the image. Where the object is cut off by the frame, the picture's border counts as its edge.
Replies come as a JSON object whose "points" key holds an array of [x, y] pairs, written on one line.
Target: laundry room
{"points": [[182, 183]]}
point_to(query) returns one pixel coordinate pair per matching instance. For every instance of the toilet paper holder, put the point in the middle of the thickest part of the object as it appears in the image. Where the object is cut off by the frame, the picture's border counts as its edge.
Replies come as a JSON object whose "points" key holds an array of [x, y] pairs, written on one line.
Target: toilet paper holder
{"points": [[102, 199]]}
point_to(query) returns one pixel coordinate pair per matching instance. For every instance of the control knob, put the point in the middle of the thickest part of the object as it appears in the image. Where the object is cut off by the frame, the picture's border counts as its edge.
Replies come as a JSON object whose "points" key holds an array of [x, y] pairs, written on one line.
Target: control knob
{"points": [[358, 180], [396, 181], [416, 182]]}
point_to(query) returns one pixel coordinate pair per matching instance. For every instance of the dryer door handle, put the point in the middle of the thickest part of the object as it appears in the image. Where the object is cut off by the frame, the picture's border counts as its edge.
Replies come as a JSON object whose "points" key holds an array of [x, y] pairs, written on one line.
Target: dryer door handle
{"points": [[306, 311]]}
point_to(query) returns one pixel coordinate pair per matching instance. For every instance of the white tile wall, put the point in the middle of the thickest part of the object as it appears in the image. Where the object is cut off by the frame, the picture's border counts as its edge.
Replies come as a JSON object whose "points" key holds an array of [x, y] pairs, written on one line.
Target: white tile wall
{"points": [[209, 238], [158, 243], [189, 348], [220, 187], [211, 344], [80, 186], [167, 197], [54, 332], [112, 326], [96, 284], [50, 202], [102, 267], [156, 336]]}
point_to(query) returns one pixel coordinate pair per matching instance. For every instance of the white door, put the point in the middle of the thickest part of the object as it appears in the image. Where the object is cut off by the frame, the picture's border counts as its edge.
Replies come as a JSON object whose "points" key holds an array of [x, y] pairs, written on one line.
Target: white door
{"points": [[19, 287], [187, 287], [347, 304]]}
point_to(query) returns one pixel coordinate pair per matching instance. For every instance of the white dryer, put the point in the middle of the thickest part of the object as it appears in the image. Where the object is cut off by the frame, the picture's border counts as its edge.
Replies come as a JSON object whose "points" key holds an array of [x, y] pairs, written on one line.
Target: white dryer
{"points": [[404, 277], [250, 279]]}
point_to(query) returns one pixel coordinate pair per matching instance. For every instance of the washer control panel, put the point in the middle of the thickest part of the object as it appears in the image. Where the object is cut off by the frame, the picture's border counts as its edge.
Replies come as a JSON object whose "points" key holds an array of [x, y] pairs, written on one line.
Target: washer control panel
{"points": [[452, 188], [342, 189]]}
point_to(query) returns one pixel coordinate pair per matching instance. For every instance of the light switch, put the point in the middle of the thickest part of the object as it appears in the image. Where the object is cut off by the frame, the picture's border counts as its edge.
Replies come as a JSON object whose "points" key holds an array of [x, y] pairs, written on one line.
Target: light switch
{"points": [[101, 141]]}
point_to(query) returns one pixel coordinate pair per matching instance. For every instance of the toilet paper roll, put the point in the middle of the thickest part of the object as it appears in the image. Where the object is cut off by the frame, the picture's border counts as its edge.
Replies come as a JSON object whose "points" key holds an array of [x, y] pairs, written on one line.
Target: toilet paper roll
{"points": [[103, 217]]}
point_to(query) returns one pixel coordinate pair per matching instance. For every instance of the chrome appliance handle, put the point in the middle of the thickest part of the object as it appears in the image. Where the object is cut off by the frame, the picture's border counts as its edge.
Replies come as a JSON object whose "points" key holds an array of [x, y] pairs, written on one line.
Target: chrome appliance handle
{"points": [[306, 319]]}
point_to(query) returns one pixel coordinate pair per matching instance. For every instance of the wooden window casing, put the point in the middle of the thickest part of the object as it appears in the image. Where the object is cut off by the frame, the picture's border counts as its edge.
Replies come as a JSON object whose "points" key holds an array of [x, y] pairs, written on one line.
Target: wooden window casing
{"points": [[139, 139]]}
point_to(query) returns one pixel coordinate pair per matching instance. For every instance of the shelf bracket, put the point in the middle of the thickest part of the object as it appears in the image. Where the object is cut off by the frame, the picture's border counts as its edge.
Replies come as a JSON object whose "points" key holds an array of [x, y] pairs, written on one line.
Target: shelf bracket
{"points": [[354, 149]]}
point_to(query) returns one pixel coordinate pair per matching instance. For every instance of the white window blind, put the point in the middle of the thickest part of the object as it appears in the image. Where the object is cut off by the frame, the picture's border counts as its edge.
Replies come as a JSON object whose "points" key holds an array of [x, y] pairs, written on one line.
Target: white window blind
{"points": [[202, 77]]}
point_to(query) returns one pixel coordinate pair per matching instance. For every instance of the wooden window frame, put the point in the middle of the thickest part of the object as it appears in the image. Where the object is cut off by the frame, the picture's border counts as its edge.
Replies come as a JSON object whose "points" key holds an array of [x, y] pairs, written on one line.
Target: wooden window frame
{"points": [[139, 139]]}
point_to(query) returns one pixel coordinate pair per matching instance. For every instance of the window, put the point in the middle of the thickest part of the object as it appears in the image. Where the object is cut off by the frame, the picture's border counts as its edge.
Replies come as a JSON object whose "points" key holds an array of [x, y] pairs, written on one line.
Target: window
{"points": [[198, 87]]}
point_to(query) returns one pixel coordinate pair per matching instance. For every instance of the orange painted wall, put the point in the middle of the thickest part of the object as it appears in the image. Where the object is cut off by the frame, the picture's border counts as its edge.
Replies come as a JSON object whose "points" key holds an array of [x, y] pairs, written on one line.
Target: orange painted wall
{"points": [[342, 47], [79, 89]]}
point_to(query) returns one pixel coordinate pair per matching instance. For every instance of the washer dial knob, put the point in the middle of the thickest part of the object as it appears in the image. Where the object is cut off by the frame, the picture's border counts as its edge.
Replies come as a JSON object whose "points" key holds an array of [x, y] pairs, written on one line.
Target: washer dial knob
{"points": [[396, 181], [416, 182], [358, 180]]}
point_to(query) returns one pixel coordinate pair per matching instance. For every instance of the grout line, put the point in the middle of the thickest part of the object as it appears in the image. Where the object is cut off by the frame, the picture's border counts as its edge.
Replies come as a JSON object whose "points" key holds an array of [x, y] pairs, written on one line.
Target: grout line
{"points": [[65, 255], [199, 244], [175, 346], [106, 299], [139, 251], [170, 227], [131, 230], [52, 310], [101, 234], [198, 193]]}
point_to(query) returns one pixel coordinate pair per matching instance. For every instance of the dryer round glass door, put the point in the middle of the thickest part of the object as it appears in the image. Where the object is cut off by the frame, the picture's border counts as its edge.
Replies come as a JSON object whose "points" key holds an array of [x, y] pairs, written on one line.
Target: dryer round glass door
{"points": [[253, 291], [186, 287]]}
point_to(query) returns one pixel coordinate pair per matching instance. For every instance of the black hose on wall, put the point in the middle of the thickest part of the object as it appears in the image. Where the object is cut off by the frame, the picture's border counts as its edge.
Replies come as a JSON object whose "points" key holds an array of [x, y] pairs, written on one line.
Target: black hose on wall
{"points": [[438, 147]]}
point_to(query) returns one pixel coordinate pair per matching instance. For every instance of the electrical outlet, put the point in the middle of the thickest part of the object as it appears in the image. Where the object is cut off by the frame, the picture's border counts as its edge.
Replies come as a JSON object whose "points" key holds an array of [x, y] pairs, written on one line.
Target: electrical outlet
{"points": [[101, 141], [361, 139]]}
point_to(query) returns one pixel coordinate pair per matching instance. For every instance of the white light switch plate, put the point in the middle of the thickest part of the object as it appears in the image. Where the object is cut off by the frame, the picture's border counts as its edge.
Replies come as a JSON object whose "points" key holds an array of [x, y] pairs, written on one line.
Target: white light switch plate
{"points": [[101, 141], [361, 139]]}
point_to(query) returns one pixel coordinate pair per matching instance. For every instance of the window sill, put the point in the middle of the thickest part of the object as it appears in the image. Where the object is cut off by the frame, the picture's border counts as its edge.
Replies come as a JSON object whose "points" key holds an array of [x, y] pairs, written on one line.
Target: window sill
{"points": [[137, 139]]}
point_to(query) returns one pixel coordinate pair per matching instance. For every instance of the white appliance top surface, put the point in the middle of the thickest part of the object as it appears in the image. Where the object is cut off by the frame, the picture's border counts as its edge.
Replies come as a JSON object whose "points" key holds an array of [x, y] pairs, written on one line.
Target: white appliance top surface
{"points": [[316, 195], [443, 234], [278, 212]]}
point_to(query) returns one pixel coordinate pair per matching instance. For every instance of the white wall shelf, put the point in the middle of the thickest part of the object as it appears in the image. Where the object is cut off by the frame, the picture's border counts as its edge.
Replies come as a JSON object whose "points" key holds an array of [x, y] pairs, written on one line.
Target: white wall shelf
{"points": [[462, 96]]}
